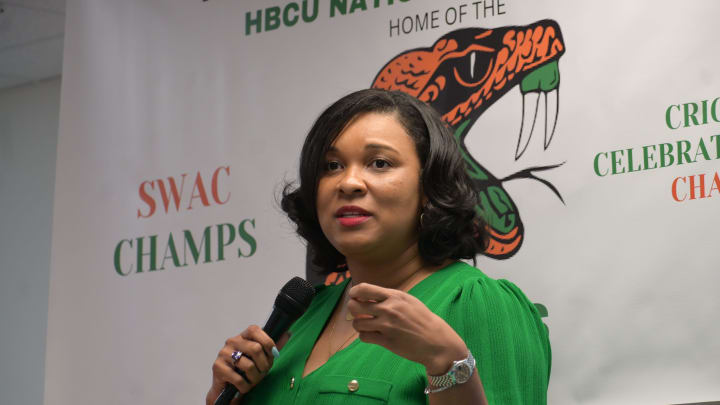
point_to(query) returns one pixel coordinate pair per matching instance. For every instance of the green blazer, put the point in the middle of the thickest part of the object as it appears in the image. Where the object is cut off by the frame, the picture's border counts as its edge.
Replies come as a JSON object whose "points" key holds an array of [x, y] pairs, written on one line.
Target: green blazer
{"points": [[499, 324]]}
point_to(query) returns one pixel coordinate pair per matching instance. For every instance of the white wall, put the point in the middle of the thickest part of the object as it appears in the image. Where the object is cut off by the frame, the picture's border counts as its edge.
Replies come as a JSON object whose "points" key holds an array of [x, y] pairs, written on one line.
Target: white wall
{"points": [[28, 143]]}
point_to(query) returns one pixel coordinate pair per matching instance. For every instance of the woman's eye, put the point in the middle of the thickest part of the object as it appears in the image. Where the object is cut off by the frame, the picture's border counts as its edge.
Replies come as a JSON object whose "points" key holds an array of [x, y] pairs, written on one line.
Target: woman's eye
{"points": [[380, 164], [332, 166]]}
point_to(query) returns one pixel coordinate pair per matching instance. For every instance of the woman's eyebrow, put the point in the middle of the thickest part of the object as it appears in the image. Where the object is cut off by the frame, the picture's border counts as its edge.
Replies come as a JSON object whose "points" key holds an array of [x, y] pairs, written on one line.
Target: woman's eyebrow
{"points": [[379, 146], [368, 146]]}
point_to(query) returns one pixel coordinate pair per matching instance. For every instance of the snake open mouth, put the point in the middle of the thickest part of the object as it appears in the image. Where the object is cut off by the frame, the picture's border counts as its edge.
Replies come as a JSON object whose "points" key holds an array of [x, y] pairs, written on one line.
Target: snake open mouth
{"points": [[466, 71]]}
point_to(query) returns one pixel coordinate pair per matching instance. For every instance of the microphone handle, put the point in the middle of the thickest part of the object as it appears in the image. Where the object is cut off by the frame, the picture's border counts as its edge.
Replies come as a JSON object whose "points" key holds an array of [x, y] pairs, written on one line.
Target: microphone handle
{"points": [[227, 394], [275, 326]]}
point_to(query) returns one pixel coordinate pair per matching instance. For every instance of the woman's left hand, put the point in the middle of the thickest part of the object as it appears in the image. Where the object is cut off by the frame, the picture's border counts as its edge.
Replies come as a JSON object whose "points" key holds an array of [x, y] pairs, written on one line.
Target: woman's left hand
{"points": [[402, 324]]}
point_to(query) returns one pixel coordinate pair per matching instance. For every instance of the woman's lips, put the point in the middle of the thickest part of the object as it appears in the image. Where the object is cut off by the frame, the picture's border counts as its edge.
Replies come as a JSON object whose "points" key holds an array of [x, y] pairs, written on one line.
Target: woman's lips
{"points": [[354, 220], [351, 215]]}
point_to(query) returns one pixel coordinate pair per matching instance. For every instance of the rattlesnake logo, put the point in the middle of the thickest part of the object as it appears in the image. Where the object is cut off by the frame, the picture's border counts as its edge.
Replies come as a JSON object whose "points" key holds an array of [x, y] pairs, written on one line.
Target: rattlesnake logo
{"points": [[461, 76]]}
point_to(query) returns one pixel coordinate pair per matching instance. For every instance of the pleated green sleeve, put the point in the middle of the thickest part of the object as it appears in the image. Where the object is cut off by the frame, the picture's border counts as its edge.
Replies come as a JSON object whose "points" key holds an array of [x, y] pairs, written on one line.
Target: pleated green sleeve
{"points": [[510, 342]]}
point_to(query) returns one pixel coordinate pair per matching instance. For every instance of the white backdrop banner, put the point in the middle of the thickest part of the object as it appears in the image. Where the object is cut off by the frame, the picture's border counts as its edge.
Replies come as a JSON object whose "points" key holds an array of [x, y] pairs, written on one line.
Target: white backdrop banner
{"points": [[592, 130]]}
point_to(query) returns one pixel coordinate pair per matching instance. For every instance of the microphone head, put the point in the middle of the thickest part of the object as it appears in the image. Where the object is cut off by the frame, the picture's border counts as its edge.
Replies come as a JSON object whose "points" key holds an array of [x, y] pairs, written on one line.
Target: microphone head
{"points": [[295, 296]]}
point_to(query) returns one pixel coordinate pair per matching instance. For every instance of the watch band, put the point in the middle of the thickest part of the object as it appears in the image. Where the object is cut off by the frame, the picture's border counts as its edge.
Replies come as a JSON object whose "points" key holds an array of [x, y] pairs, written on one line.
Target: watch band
{"points": [[460, 372]]}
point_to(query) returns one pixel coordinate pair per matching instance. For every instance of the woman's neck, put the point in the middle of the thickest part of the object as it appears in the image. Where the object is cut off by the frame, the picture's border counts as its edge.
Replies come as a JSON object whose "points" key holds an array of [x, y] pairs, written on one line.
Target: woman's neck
{"points": [[401, 272]]}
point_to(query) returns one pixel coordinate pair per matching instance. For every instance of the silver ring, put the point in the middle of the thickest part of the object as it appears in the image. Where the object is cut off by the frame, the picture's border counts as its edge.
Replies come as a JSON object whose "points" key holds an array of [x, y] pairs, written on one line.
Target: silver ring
{"points": [[236, 356]]}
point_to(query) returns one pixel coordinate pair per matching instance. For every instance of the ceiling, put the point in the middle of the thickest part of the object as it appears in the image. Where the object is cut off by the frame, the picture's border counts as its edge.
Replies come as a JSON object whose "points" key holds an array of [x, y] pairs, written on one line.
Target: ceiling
{"points": [[31, 40]]}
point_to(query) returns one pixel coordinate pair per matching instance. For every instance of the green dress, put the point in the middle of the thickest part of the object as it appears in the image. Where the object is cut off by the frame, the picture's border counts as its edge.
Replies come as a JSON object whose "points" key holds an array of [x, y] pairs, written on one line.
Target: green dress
{"points": [[498, 323]]}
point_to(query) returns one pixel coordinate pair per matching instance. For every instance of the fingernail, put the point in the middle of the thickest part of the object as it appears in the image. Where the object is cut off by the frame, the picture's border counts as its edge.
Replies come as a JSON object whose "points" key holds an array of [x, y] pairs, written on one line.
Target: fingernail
{"points": [[275, 352]]}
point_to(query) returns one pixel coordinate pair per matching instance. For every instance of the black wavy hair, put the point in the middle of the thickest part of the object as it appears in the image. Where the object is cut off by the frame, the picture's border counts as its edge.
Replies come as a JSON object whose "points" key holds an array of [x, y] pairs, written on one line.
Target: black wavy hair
{"points": [[450, 227]]}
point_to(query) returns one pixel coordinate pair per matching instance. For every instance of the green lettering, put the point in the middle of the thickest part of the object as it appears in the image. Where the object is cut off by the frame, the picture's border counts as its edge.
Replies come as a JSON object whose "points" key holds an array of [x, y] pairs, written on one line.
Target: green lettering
{"points": [[683, 150], [249, 22], [704, 112], [667, 116], [701, 150], [713, 110], [616, 161], [173, 253], [339, 5], [357, 4], [288, 20], [152, 253], [630, 162], [249, 239], [716, 138], [272, 18], [647, 157], [596, 165], [666, 154], [118, 249], [690, 115], [222, 243], [194, 250], [310, 17]]}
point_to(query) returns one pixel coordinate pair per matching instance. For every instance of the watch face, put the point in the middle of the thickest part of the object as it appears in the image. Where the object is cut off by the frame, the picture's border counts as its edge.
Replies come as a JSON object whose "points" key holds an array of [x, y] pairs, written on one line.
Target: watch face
{"points": [[463, 372]]}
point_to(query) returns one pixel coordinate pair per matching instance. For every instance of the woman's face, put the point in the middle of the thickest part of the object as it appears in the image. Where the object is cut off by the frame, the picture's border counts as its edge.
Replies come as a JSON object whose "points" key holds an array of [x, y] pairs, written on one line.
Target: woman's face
{"points": [[368, 198]]}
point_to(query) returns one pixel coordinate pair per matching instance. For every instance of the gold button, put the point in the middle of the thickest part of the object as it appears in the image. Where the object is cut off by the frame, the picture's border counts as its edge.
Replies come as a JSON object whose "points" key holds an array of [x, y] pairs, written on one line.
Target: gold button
{"points": [[292, 383], [353, 386]]}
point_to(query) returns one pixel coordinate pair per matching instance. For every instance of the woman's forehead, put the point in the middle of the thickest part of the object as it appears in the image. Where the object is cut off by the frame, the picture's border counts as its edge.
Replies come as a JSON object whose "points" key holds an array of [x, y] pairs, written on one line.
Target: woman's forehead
{"points": [[373, 131]]}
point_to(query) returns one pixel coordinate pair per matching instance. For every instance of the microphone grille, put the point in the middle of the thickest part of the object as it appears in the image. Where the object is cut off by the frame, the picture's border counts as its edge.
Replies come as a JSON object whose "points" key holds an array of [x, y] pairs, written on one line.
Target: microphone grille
{"points": [[297, 292]]}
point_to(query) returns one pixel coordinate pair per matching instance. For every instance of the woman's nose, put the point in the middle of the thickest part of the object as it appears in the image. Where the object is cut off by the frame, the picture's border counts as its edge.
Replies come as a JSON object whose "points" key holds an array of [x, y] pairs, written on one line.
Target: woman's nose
{"points": [[352, 182]]}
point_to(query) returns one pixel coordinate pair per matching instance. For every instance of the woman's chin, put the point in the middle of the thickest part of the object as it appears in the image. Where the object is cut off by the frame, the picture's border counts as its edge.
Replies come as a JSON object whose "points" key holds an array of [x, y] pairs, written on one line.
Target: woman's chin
{"points": [[356, 247]]}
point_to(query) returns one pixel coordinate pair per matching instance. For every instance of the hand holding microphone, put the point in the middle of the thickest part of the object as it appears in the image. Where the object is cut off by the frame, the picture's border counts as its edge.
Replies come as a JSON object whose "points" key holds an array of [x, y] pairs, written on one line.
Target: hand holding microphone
{"points": [[243, 362], [245, 359]]}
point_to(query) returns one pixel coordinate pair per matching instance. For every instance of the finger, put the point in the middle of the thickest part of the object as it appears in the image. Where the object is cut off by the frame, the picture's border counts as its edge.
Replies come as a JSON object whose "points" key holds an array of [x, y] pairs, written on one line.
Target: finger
{"points": [[249, 370], [226, 374], [365, 325], [225, 356], [363, 309], [370, 292], [256, 334], [370, 325], [233, 343], [256, 352], [240, 382]]}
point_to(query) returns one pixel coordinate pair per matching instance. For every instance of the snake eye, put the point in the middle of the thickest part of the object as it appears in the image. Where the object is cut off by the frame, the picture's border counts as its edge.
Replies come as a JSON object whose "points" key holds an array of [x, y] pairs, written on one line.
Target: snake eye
{"points": [[473, 67]]}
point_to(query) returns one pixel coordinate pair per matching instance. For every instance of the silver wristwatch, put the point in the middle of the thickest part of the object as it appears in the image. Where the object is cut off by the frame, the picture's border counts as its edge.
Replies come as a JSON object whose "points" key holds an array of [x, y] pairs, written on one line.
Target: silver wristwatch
{"points": [[459, 373]]}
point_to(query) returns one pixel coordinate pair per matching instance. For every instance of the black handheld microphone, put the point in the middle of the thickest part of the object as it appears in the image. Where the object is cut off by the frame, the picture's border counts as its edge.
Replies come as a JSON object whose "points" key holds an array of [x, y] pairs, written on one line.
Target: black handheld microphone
{"points": [[292, 301]]}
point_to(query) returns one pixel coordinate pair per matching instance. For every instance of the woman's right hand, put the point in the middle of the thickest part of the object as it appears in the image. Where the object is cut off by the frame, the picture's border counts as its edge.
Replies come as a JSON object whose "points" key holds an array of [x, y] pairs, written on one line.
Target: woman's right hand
{"points": [[256, 361]]}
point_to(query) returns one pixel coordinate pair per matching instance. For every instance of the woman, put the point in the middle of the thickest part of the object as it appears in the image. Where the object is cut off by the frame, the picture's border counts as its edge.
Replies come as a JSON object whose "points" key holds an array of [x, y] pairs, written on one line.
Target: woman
{"points": [[383, 191]]}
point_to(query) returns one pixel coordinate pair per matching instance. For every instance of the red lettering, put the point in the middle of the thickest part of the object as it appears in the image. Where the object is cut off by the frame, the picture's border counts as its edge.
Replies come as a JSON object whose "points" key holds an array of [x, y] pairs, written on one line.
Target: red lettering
{"points": [[700, 186], [173, 191], [715, 184], [200, 188], [674, 189], [214, 189], [147, 199], [697, 186], [172, 194]]}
